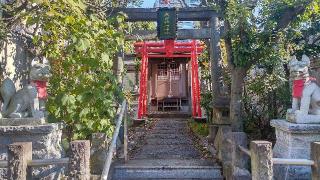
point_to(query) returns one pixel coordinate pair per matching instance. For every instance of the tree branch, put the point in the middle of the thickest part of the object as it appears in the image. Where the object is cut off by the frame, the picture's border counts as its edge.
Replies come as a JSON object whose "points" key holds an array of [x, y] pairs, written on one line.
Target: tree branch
{"points": [[291, 14]]}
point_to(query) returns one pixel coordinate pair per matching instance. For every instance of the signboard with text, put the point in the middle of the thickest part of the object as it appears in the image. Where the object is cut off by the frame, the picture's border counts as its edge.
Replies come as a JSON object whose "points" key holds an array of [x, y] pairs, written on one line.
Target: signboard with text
{"points": [[167, 23]]}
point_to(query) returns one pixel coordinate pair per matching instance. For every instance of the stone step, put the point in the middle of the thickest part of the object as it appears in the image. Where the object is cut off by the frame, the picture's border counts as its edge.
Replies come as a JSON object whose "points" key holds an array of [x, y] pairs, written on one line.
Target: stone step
{"points": [[169, 169], [167, 115], [167, 136], [177, 121], [169, 131], [167, 151], [172, 122], [171, 125], [157, 141], [173, 179], [170, 128]]}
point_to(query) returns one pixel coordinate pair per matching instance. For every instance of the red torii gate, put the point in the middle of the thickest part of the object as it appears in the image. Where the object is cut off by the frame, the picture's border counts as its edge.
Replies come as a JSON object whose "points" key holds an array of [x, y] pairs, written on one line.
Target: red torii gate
{"points": [[169, 49]]}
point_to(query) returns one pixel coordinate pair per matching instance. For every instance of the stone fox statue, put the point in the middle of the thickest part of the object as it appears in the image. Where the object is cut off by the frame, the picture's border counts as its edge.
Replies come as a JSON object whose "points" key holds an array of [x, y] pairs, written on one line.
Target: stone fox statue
{"points": [[25, 102], [305, 93]]}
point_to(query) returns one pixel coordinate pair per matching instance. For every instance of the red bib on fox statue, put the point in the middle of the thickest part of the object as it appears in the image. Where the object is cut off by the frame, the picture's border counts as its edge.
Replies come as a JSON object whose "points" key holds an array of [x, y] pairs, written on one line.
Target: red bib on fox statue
{"points": [[298, 86], [41, 88]]}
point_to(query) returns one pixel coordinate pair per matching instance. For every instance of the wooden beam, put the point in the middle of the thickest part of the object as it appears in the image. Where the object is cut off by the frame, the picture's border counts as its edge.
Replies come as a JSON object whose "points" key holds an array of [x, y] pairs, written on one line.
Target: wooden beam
{"points": [[150, 14], [203, 33]]}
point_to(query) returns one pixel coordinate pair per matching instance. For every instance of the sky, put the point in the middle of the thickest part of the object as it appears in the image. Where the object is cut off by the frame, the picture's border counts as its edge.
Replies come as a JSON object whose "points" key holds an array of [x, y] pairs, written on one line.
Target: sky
{"points": [[148, 3]]}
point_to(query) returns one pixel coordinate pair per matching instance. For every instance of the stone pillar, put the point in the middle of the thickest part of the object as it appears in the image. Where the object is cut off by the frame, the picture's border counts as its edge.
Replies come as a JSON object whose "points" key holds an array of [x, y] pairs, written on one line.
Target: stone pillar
{"points": [[261, 160], [294, 142], [79, 163], [99, 152], [239, 160], [315, 155], [18, 156], [215, 56], [221, 144]]}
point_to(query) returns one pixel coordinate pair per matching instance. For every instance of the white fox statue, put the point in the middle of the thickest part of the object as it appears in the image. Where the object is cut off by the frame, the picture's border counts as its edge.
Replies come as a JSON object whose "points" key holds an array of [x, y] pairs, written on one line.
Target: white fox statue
{"points": [[26, 101], [306, 93]]}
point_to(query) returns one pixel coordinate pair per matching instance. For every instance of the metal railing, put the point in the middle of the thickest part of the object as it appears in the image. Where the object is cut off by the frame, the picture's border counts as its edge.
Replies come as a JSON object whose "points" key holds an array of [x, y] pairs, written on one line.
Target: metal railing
{"points": [[112, 146]]}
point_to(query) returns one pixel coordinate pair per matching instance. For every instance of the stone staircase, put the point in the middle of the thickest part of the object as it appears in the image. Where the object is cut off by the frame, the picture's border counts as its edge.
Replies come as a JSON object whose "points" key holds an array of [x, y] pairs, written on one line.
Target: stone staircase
{"points": [[168, 153]]}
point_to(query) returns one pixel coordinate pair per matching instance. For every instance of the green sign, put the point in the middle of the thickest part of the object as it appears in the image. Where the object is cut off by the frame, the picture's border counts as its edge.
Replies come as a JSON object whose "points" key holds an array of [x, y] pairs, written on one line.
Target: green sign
{"points": [[167, 23]]}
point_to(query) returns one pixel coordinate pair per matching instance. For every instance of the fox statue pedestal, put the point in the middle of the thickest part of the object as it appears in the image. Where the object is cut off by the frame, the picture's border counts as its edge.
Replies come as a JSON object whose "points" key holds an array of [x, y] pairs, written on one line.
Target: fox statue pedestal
{"points": [[46, 144], [21, 121], [293, 142]]}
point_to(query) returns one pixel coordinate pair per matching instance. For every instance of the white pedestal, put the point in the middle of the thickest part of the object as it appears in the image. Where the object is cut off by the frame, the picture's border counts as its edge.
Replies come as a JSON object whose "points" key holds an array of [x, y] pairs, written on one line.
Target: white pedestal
{"points": [[293, 142]]}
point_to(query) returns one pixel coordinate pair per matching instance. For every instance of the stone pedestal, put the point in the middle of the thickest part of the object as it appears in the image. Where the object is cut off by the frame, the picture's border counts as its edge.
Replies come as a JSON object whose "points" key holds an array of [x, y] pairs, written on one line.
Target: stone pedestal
{"points": [[21, 121], [46, 144], [293, 142]]}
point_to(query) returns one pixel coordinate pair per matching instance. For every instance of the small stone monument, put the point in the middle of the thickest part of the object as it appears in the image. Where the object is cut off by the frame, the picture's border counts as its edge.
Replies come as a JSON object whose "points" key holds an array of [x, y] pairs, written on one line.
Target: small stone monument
{"points": [[302, 125], [22, 119]]}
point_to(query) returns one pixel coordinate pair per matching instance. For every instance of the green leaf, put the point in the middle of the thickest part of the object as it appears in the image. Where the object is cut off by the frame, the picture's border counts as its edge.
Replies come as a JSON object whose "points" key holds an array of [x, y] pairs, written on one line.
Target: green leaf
{"points": [[37, 1], [84, 112], [83, 45], [105, 57], [68, 100], [51, 13], [69, 20]]}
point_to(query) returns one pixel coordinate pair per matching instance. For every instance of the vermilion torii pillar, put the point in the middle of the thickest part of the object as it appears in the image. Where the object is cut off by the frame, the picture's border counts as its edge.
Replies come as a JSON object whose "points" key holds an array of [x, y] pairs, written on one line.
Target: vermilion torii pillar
{"points": [[142, 107]]}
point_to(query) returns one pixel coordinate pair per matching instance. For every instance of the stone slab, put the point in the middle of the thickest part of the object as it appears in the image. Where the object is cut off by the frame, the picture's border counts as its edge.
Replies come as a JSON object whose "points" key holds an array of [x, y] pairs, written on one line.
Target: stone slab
{"points": [[167, 173], [294, 127], [196, 163], [21, 121], [293, 142], [167, 152], [29, 129], [157, 141]]}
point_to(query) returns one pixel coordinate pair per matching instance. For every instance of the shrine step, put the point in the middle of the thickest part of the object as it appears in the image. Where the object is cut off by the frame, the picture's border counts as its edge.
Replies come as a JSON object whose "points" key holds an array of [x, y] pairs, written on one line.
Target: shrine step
{"points": [[157, 141], [181, 151], [169, 114], [169, 169]]}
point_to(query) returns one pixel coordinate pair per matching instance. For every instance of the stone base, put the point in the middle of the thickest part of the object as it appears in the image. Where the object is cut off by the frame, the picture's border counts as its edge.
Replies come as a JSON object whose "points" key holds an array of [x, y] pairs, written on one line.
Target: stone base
{"points": [[293, 142], [46, 144], [21, 121]]}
